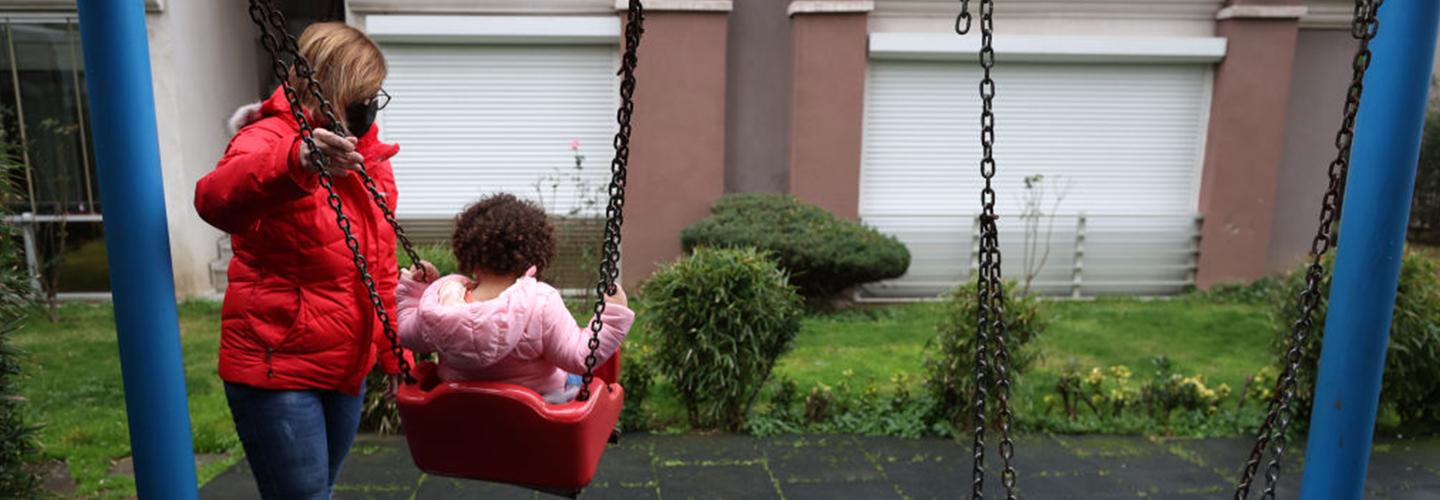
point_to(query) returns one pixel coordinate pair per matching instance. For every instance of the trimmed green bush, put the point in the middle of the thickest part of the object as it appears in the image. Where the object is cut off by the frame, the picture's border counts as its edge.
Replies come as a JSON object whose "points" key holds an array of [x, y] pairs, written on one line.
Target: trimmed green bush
{"points": [[824, 254], [17, 439], [951, 368], [719, 319], [1411, 393]]}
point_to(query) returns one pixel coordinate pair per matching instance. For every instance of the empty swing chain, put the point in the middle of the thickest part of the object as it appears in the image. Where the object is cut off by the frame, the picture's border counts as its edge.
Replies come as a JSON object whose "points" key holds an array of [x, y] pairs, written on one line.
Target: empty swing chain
{"points": [[991, 353], [1277, 418], [267, 17], [615, 211]]}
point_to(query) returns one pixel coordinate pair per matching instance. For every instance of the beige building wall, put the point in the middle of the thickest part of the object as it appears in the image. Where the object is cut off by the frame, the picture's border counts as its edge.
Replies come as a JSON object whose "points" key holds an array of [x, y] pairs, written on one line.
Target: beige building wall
{"points": [[202, 57], [202, 65]]}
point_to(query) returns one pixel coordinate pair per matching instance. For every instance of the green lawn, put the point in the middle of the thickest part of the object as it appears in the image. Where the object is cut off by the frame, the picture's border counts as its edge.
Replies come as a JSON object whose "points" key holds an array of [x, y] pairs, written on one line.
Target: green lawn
{"points": [[72, 377], [1225, 342], [72, 384]]}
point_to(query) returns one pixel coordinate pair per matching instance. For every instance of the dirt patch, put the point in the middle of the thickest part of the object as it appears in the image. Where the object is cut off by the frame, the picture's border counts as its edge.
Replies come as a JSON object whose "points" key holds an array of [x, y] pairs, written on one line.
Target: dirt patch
{"points": [[126, 466], [54, 476]]}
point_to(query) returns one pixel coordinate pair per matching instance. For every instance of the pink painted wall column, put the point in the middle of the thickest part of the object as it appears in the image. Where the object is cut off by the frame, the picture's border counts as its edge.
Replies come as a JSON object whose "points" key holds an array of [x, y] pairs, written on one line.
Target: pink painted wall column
{"points": [[677, 153], [828, 106], [1246, 139]]}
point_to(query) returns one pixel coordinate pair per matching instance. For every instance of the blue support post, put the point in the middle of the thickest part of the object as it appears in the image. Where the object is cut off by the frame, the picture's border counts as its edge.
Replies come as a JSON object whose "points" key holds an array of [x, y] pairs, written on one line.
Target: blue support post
{"points": [[1367, 265], [122, 116]]}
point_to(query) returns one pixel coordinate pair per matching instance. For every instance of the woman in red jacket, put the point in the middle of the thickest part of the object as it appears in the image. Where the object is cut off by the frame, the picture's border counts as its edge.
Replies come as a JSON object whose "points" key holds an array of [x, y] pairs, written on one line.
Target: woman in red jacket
{"points": [[298, 331]]}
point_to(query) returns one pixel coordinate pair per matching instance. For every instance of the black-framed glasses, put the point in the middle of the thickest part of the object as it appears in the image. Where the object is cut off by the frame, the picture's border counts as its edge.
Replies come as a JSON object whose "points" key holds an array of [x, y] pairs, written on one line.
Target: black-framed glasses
{"points": [[382, 99]]}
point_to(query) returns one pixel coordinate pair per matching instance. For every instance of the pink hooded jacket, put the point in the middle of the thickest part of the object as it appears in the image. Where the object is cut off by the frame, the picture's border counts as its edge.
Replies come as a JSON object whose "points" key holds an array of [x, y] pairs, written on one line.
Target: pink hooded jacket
{"points": [[526, 336]]}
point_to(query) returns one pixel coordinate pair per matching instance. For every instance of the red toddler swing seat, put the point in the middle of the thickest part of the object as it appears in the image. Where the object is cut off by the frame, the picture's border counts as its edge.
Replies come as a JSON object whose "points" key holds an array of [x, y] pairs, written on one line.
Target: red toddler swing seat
{"points": [[494, 431]]}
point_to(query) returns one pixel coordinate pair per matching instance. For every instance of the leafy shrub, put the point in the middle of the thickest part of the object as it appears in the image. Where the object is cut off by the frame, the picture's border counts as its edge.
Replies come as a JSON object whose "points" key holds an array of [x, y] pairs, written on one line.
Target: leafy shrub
{"points": [[824, 254], [720, 318], [1412, 362], [951, 367], [17, 439]]}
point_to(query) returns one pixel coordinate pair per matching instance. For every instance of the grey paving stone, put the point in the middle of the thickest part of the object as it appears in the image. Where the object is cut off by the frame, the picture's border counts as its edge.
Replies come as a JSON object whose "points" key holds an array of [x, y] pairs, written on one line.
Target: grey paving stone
{"points": [[716, 481], [1143, 468], [926, 468], [729, 466], [435, 487], [819, 459], [234, 484], [877, 491], [378, 464], [706, 448], [594, 493], [629, 464]]}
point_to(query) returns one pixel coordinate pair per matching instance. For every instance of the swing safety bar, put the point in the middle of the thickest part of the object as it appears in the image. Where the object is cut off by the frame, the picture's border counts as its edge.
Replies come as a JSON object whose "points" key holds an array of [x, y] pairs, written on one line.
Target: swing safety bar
{"points": [[1367, 262], [122, 111]]}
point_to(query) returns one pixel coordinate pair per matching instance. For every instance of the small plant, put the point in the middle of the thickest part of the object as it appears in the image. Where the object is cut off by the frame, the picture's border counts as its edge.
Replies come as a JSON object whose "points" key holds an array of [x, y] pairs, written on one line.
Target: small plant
{"points": [[1412, 362], [1034, 215], [952, 370], [637, 375], [437, 254], [1260, 291], [847, 407], [585, 195], [720, 318], [1111, 399], [824, 254], [378, 413], [577, 222]]}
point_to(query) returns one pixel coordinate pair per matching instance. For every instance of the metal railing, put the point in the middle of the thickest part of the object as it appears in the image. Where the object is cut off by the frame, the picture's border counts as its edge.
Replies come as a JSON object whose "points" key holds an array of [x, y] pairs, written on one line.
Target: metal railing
{"points": [[1075, 255], [27, 223]]}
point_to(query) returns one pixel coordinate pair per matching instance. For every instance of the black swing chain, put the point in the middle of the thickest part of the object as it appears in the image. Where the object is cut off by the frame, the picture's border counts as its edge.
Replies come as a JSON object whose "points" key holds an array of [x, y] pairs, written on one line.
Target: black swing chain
{"points": [[609, 270], [1272, 432], [991, 353], [267, 17]]}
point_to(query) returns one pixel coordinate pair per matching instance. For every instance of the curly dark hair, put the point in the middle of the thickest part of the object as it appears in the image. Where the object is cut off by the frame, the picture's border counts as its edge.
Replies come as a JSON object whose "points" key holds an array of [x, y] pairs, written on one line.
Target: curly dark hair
{"points": [[502, 234]]}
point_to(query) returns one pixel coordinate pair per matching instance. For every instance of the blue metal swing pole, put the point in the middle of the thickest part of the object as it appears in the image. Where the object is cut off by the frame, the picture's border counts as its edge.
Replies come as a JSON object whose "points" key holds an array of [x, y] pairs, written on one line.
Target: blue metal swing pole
{"points": [[1367, 263], [122, 116]]}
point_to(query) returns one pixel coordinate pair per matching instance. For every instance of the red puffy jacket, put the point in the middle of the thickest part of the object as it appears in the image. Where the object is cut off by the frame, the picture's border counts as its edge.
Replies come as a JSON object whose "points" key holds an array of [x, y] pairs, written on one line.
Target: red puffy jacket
{"points": [[296, 314]]}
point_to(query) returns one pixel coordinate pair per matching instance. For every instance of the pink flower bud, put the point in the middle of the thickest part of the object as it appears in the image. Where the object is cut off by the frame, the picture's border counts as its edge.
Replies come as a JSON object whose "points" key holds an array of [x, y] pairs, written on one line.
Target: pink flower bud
{"points": [[575, 144]]}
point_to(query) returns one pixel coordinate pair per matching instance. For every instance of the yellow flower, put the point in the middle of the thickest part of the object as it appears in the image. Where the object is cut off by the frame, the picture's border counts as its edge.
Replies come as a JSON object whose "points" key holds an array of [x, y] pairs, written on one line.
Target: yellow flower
{"points": [[1120, 372], [1095, 377]]}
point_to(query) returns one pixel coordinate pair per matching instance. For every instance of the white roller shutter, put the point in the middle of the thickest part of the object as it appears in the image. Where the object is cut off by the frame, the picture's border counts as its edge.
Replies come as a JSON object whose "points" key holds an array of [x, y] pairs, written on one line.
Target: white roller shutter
{"points": [[1127, 140], [474, 119]]}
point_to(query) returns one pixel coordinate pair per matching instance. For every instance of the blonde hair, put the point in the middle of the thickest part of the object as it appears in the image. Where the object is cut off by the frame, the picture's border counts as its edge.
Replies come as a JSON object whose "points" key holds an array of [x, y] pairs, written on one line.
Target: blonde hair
{"points": [[347, 64]]}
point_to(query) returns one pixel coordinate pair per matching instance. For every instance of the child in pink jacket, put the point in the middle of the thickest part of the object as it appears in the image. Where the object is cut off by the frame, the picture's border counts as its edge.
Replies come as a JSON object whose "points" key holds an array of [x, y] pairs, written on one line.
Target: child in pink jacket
{"points": [[496, 321]]}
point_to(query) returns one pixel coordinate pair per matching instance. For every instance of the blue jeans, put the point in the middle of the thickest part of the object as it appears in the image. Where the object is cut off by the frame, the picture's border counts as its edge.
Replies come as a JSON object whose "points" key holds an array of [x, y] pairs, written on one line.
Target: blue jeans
{"points": [[295, 441]]}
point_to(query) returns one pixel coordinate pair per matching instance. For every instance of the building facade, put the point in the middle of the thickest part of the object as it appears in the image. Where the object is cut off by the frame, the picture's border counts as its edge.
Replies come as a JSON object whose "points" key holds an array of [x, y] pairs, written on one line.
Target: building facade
{"points": [[1164, 143]]}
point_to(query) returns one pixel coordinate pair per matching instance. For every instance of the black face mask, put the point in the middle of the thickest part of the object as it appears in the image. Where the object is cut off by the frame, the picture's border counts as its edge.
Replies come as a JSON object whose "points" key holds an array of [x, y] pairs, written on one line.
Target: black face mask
{"points": [[360, 116]]}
